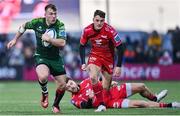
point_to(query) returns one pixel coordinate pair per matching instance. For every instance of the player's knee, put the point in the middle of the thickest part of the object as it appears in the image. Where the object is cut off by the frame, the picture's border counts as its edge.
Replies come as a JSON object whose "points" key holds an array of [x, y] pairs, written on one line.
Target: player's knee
{"points": [[142, 86], [43, 77], [61, 85], [43, 80]]}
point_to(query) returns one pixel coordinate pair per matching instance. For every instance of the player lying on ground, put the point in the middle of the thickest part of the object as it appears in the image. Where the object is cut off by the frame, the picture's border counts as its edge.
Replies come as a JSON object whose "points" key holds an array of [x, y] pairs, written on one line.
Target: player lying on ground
{"points": [[84, 97]]}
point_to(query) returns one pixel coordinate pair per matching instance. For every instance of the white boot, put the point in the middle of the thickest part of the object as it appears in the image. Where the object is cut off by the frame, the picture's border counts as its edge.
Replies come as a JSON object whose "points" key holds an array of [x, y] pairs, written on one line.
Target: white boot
{"points": [[100, 108], [176, 104], [161, 95]]}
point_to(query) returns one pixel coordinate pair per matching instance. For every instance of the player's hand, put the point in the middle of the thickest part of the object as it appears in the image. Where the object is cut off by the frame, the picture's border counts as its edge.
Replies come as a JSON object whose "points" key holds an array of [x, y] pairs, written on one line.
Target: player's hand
{"points": [[84, 67], [45, 37], [11, 43], [114, 83], [117, 72]]}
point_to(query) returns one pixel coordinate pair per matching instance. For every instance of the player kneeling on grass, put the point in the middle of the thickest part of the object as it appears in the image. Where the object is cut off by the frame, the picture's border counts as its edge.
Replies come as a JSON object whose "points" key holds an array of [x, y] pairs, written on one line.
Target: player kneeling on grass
{"points": [[84, 97]]}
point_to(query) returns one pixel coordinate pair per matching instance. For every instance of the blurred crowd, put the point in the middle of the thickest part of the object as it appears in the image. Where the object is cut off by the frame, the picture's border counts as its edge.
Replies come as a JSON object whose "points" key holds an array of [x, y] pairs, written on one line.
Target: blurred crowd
{"points": [[149, 48], [156, 48]]}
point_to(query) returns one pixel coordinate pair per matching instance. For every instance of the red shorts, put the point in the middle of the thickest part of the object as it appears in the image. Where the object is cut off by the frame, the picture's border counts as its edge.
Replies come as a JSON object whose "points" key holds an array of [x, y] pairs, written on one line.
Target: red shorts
{"points": [[118, 96], [118, 92], [115, 103], [121, 103], [106, 64]]}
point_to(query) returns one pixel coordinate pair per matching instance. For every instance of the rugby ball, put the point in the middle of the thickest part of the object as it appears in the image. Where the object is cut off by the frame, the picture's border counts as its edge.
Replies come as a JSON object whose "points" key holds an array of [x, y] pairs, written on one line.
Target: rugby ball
{"points": [[52, 33]]}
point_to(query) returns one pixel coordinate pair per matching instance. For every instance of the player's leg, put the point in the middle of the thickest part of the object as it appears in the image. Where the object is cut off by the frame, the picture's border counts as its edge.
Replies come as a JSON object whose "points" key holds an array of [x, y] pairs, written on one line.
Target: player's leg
{"points": [[42, 71], [61, 83], [126, 103], [106, 83], [58, 71], [142, 104], [144, 91], [94, 71], [107, 71], [148, 104]]}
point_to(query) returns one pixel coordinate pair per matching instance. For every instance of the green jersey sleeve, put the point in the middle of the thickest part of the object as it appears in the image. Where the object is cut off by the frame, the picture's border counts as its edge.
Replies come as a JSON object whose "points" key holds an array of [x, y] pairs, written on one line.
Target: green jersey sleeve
{"points": [[61, 33], [31, 24]]}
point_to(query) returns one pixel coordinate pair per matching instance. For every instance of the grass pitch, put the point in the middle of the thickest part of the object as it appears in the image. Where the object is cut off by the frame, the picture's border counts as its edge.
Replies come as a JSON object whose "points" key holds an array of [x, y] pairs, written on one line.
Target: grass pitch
{"points": [[23, 98]]}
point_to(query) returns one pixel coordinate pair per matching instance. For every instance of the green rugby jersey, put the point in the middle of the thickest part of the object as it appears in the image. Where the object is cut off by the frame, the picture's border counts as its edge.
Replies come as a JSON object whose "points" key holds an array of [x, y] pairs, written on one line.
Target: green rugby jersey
{"points": [[39, 26]]}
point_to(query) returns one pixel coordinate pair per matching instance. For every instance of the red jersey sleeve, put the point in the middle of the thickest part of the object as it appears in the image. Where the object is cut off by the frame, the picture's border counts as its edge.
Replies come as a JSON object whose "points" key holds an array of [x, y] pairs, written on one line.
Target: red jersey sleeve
{"points": [[76, 102], [115, 37], [84, 38]]}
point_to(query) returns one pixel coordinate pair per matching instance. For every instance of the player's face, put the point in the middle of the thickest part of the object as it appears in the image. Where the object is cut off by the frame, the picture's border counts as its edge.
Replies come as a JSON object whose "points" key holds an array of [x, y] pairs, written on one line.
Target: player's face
{"points": [[98, 22], [72, 86], [51, 16]]}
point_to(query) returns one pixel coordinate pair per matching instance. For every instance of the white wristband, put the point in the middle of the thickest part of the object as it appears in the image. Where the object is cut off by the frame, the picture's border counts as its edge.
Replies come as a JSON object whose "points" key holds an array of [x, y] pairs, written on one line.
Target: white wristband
{"points": [[21, 29]]}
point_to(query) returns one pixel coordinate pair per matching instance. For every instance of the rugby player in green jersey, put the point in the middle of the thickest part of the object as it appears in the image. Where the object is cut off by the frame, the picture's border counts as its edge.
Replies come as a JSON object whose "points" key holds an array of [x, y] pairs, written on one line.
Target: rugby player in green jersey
{"points": [[47, 58]]}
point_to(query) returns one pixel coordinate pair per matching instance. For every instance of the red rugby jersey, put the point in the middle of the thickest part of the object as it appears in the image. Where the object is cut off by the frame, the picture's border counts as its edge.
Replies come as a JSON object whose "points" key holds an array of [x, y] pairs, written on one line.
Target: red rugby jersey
{"points": [[81, 95], [103, 41]]}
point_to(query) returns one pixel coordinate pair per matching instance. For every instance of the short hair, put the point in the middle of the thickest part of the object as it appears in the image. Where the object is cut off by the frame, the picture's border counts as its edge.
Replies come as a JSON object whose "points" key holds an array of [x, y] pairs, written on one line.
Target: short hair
{"points": [[67, 79], [100, 13], [52, 6]]}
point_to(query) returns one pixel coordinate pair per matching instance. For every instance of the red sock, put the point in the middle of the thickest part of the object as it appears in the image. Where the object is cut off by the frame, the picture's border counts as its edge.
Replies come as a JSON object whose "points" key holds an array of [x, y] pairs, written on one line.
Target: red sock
{"points": [[97, 88], [152, 97], [59, 91], [58, 96], [162, 105], [106, 95]]}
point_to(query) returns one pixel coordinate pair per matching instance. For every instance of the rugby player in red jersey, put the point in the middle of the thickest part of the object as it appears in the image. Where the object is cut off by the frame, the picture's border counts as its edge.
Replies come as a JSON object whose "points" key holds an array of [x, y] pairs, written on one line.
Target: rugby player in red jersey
{"points": [[104, 39], [84, 97]]}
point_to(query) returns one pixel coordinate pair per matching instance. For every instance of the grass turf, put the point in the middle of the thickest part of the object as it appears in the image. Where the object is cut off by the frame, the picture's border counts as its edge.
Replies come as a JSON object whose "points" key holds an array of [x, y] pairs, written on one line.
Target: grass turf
{"points": [[23, 98]]}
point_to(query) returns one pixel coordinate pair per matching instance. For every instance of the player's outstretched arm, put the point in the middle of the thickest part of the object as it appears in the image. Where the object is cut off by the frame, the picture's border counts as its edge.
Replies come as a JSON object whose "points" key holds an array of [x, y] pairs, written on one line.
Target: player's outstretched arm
{"points": [[17, 36]]}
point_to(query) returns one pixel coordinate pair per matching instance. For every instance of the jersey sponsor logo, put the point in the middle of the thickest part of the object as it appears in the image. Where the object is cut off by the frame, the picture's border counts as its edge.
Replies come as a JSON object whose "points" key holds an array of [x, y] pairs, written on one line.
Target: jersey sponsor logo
{"points": [[98, 42], [40, 60], [62, 33], [104, 36], [117, 38], [88, 92], [40, 28]]}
